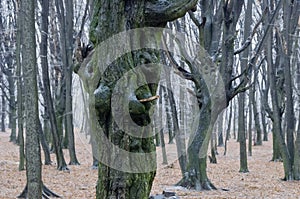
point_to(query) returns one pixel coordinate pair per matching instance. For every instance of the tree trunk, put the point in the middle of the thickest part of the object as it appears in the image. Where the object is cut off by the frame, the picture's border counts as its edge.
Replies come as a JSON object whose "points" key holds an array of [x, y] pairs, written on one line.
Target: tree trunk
{"points": [[250, 130], [178, 135], [44, 144], [69, 74], [160, 125], [33, 154], [19, 90], [228, 128], [61, 164], [125, 175], [196, 176], [241, 100], [297, 153], [277, 121], [256, 114], [3, 109], [220, 130], [242, 134], [12, 105], [169, 121]]}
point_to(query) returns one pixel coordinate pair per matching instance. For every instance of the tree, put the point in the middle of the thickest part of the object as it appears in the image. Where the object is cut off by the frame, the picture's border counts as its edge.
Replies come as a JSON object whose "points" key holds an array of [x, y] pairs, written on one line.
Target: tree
{"points": [[33, 154], [61, 164], [110, 18], [20, 102]]}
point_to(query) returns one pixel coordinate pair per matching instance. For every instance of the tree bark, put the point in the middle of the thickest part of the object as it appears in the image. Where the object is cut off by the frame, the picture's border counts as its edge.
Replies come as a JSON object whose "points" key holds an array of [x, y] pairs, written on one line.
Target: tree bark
{"points": [[69, 74], [112, 17], [19, 89], [61, 164], [33, 154]]}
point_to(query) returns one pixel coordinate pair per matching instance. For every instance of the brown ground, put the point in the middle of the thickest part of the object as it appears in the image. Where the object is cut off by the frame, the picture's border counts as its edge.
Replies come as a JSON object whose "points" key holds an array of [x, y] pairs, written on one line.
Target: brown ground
{"points": [[263, 180]]}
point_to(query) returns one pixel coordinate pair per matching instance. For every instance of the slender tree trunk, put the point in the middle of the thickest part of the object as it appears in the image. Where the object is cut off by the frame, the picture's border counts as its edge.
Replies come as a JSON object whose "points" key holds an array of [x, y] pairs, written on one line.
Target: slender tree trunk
{"points": [[242, 134], [12, 106], [161, 131], [178, 135], [277, 127], [69, 74], [168, 117], [19, 90], [256, 114], [228, 128], [61, 164], [220, 130], [44, 144], [250, 130], [241, 100], [3, 109]]}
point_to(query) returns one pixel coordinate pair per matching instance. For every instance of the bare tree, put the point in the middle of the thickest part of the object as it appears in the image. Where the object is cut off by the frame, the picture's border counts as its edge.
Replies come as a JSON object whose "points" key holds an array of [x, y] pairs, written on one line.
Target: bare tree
{"points": [[105, 23]]}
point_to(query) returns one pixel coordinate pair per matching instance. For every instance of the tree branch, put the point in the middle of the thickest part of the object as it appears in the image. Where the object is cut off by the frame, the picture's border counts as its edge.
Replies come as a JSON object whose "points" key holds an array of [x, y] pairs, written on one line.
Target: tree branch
{"points": [[178, 70], [161, 11], [249, 39], [150, 99]]}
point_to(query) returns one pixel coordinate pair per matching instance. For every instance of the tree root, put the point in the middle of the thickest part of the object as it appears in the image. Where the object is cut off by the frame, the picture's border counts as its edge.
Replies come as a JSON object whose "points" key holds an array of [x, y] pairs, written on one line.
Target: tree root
{"points": [[191, 182], [46, 193]]}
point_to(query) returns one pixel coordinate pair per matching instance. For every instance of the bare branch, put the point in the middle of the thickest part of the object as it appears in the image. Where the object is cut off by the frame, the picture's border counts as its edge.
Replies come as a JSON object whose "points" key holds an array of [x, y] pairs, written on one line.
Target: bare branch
{"points": [[150, 99], [161, 11], [178, 70], [249, 39]]}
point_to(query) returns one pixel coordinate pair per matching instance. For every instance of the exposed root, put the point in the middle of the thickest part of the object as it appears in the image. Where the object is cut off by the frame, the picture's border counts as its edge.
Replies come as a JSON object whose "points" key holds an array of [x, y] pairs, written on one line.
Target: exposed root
{"points": [[46, 193], [191, 182], [74, 163]]}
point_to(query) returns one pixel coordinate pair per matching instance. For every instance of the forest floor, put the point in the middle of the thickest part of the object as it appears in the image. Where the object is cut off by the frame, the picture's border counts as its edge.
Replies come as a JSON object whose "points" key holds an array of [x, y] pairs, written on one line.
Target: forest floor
{"points": [[262, 181]]}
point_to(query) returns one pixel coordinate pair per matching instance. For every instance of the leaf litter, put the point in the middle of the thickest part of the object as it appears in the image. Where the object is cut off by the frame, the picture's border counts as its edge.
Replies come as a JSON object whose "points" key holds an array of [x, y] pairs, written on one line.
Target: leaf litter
{"points": [[262, 181]]}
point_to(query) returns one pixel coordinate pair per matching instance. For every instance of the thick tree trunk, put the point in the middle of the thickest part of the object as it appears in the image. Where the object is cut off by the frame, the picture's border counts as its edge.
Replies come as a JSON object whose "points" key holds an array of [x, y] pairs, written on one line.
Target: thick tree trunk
{"points": [[33, 153], [124, 176], [196, 176]]}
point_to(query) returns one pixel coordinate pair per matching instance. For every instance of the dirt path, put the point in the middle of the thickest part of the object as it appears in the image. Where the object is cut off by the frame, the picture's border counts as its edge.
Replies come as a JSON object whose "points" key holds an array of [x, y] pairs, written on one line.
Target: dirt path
{"points": [[263, 180]]}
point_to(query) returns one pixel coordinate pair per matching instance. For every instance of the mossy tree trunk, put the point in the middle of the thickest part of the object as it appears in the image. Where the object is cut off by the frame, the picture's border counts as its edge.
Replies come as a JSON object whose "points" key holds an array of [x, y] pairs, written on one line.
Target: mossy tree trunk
{"points": [[110, 18]]}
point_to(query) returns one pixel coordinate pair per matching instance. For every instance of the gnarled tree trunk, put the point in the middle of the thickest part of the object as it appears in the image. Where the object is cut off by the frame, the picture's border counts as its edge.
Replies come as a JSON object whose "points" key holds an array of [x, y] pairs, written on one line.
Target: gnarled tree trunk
{"points": [[127, 162]]}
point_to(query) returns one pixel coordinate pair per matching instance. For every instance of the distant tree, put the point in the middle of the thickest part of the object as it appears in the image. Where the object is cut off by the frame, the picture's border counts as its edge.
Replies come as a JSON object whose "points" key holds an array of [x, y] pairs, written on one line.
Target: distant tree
{"points": [[65, 17], [20, 88]]}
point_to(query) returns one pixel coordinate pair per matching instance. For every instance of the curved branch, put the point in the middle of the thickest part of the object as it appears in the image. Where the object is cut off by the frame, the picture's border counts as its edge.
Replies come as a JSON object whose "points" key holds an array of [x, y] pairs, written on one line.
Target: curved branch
{"points": [[161, 11], [249, 39]]}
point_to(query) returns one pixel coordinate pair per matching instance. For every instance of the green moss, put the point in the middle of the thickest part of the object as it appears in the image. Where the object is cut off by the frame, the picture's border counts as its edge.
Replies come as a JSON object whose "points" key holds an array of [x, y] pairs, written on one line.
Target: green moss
{"points": [[102, 98], [94, 22]]}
